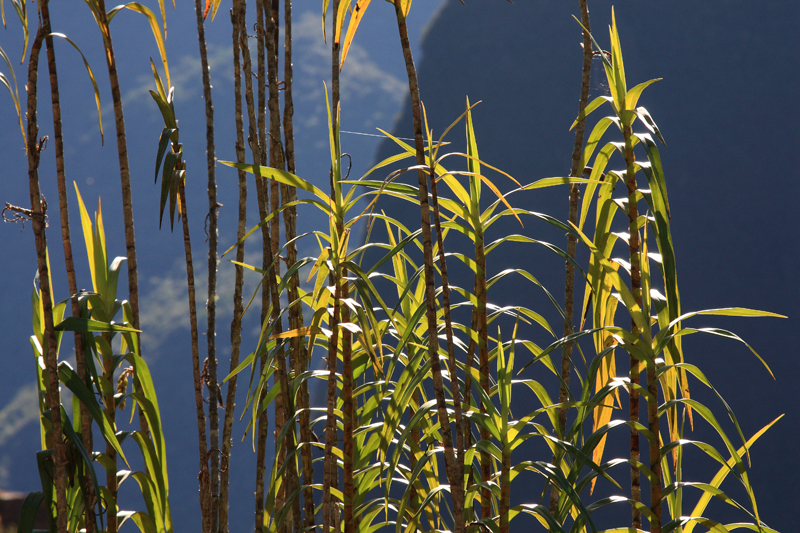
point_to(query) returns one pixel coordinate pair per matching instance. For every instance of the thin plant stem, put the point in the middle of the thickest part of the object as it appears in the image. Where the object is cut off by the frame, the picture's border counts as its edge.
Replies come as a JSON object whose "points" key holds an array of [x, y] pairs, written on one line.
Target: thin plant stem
{"points": [[655, 449], [483, 361], [456, 489], [276, 158], [329, 480], [38, 221], [111, 412], [211, 302], [330, 475], [124, 172], [636, 285], [269, 279], [236, 322], [203, 476], [288, 195], [574, 195], [451, 466], [63, 204], [262, 199]]}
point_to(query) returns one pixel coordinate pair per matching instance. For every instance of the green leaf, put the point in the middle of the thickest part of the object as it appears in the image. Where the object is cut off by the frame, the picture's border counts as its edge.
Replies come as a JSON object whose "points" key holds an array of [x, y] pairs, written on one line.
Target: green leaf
{"points": [[86, 324], [29, 511], [68, 377]]}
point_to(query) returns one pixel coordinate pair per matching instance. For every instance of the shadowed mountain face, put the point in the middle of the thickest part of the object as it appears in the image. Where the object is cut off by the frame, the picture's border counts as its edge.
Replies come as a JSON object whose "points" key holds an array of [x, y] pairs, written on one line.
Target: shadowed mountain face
{"points": [[727, 109]]}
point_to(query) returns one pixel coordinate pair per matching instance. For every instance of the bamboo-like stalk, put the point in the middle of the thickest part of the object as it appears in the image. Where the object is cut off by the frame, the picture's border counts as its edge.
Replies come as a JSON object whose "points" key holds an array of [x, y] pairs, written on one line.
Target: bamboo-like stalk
{"points": [[636, 286], [259, 156], [349, 413], [236, 322], [329, 479], [125, 181], [468, 381], [283, 415], [110, 408], [451, 465], [275, 145], [330, 476], [124, 169], [655, 450], [505, 489], [80, 363], [299, 352], [203, 476], [483, 361], [39, 232], [348, 402], [269, 279], [456, 489], [211, 303], [574, 194]]}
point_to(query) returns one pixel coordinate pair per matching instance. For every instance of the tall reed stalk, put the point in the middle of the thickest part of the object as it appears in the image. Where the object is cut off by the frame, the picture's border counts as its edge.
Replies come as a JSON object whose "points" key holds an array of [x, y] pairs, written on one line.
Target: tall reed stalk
{"points": [[453, 474], [329, 515], [577, 169], [66, 241], [37, 215], [124, 167], [236, 321], [211, 302]]}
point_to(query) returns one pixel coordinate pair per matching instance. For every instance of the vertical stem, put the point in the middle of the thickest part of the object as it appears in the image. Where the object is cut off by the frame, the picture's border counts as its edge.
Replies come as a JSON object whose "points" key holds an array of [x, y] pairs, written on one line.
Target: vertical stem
{"points": [[636, 285], [288, 194], [111, 473], [270, 284], [483, 358], [236, 322], [468, 397], [283, 414], [51, 354], [80, 363], [203, 476], [456, 489], [211, 302], [330, 476], [505, 487], [329, 479], [349, 411], [124, 171], [655, 450], [574, 194], [275, 145], [433, 347]]}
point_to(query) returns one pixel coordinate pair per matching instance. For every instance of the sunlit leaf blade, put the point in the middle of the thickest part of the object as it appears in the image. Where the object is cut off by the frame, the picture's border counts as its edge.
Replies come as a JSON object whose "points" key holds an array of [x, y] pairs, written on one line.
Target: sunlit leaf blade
{"points": [[13, 92], [355, 20], [154, 26], [72, 323], [91, 77]]}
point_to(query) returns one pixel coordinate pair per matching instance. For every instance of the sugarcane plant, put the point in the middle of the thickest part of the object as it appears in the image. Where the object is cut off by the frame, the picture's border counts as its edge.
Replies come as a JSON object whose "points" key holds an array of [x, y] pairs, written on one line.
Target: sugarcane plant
{"points": [[653, 341], [113, 364]]}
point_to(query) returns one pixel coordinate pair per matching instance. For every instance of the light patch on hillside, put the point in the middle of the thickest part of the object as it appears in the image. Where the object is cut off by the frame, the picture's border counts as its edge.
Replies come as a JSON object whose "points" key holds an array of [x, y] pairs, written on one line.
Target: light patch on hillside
{"points": [[185, 75], [22, 410], [165, 309]]}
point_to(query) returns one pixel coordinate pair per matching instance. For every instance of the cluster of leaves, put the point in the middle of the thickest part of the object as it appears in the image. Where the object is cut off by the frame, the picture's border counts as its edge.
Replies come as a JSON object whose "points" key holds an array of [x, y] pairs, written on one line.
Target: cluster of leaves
{"points": [[113, 346], [386, 390]]}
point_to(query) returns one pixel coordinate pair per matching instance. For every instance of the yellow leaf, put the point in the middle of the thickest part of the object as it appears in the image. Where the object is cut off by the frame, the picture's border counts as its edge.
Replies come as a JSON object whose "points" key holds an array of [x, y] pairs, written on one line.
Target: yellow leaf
{"points": [[355, 20]]}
